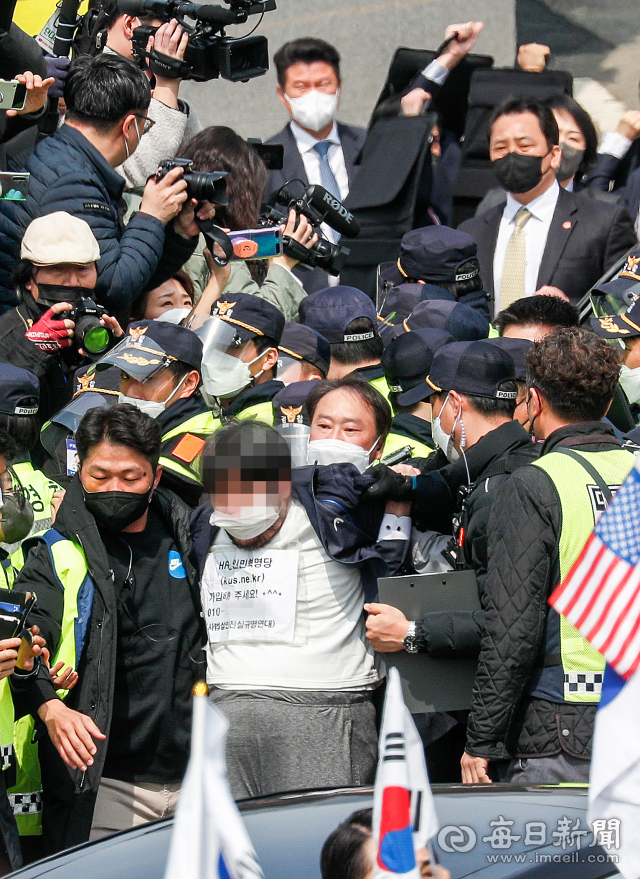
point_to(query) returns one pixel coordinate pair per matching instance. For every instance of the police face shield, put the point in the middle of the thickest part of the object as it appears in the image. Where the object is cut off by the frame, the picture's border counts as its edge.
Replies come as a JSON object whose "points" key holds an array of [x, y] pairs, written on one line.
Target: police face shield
{"points": [[297, 436], [138, 356], [289, 368], [16, 512], [614, 297], [384, 271], [226, 359]]}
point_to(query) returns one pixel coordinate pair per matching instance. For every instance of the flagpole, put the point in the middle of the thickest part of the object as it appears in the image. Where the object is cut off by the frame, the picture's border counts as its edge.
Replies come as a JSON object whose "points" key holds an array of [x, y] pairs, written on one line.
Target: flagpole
{"points": [[200, 694]]}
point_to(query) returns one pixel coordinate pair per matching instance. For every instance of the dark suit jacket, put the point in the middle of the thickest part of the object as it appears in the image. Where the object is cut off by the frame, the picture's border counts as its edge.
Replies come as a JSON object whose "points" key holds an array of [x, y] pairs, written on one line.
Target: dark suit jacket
{"points": [[351, 138], [586, 237], [632, 193]]}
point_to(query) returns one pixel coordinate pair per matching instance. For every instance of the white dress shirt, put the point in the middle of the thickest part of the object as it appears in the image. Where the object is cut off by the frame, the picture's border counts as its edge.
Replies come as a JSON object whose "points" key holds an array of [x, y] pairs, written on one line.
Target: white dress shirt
{"points": [[311, 160], [536, 230]]}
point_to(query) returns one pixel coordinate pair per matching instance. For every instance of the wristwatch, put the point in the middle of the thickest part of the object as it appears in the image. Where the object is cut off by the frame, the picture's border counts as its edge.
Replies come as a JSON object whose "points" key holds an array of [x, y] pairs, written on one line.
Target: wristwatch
{"points": [[410, 642]]}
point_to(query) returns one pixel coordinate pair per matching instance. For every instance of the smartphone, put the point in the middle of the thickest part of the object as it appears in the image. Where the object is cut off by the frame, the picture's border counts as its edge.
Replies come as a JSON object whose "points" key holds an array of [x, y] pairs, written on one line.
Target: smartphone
{"points": [[15, 608], [14, 187], [256, 243], [13, 95]]}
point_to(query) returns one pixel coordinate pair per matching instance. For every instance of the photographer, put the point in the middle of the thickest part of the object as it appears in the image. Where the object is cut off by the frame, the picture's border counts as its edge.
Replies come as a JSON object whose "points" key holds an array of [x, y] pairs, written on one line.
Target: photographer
{"points": [[175, 120], [107, 100], [220, 149], [57, 265]]}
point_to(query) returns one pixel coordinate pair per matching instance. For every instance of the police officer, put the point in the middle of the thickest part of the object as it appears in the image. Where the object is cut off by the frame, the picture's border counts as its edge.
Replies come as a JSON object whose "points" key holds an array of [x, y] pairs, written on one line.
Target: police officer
{"points": [[443, 257], [347, 318], [626, 328], [303, 354], [406, 363], [160, 367], [538, 680], [472, 390], [463, 323], [240, 357]]}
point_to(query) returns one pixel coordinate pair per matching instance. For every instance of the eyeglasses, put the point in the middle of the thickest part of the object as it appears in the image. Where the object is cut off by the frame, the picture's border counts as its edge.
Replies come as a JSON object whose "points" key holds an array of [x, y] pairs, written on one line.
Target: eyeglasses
{"points": [[148, 123]]}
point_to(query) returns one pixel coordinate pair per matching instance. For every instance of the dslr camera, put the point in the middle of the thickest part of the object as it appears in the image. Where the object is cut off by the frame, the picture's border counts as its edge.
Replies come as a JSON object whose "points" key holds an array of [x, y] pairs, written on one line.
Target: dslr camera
{"points": [[318, 206], [201, 185], [89, 333], [210, 53]]}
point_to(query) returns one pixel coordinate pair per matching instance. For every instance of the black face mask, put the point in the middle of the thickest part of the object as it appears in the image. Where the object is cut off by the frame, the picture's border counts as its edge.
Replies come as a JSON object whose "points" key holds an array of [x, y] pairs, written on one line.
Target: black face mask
{"points": [[49, 294], [517, 173], [16, 518], [569, 162], [116, 510]]}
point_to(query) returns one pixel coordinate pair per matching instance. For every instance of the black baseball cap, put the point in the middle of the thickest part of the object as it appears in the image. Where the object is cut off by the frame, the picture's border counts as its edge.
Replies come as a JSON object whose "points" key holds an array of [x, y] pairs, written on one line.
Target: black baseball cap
{"points": [[407, 360], [151, 345], [290, 404], [304, 343], [478, 369], [465, 324], [251, 316], [331, 311], [621, 326], [436, 254], [19, 390], [518, 350]]}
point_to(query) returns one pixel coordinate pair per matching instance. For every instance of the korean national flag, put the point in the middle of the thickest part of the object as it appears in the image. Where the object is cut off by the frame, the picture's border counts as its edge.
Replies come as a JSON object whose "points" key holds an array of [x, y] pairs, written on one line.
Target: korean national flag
{"points": [[209, 839], [404, 817]]}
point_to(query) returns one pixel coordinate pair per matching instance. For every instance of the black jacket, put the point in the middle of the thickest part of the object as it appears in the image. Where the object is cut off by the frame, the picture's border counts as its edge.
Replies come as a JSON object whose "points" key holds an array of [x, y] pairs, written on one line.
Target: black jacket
{"points": [[69, 174], [69, 809], [490, 461], [524, 530], [586, 237], [16, 349], [347, 528]]}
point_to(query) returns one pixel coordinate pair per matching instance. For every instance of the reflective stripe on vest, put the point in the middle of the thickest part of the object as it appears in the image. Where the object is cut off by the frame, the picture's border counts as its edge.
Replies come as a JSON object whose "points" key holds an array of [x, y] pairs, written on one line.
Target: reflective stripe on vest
{"points": [[40, 489], [581, 502], [395, 441], [201, 425]]}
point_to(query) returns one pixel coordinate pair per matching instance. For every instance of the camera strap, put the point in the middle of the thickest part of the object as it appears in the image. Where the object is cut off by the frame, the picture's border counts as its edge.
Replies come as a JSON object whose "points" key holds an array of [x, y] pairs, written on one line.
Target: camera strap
{"points": [[165, 66], [215, 235]]}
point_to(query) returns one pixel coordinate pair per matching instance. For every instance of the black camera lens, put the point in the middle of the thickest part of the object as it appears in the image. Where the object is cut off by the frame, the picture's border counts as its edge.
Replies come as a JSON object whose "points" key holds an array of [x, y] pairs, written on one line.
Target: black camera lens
{"points": [[205, 186]]}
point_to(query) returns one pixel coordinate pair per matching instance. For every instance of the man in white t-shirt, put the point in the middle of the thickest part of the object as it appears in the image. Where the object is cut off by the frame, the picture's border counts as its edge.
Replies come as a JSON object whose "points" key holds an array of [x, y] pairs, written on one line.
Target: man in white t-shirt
{"points": [[287, 561]]}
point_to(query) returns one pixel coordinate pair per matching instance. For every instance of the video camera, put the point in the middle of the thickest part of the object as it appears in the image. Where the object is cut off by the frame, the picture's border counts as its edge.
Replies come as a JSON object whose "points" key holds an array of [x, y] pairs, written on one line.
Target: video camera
{"points": [[210, 53], [318, 206], [202, 185]]}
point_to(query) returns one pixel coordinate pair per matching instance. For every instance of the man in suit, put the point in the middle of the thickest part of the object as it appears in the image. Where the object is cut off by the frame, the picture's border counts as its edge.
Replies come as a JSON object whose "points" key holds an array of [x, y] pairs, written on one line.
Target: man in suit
{"points": [[543, 235]]}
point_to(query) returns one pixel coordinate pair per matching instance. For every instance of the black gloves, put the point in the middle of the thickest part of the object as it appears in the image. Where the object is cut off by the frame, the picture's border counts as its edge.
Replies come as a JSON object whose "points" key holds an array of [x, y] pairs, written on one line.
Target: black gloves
{"points": [[389, 485]]}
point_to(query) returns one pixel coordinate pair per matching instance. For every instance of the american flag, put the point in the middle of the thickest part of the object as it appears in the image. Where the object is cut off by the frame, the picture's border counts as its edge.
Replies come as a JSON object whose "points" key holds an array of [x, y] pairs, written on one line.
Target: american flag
{"points": [[601, 594]]}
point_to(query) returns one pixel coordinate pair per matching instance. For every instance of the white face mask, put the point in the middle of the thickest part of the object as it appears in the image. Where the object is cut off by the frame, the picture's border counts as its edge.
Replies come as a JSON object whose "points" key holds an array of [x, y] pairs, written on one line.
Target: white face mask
{"points": [[445, 441], [126, 142], [152, 408], [225, 382], [336, 451], [630, 381], [250, 522], [314, 109]]}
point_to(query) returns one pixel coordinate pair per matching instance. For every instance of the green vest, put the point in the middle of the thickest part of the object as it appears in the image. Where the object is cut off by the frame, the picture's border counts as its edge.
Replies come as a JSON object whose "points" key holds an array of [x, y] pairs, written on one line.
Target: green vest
{"points": [[259, 411], [581, 504], [380, 384], [182, 457], [395, 441], [26, 795], [39, 489]]}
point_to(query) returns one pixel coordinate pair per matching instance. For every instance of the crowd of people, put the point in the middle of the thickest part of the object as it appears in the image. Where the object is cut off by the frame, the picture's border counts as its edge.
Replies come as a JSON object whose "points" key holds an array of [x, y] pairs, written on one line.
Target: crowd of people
{"points": [[207, 464]]}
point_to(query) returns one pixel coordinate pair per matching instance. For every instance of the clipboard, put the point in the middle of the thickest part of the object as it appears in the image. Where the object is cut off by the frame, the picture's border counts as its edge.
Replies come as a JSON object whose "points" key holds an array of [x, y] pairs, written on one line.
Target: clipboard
{"points": [[430, 684]]}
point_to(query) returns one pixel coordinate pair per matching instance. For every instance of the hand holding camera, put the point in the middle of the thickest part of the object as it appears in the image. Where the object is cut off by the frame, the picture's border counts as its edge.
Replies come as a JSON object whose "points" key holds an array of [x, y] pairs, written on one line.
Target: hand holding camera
{"points": [[164, 195], [50, 333]]}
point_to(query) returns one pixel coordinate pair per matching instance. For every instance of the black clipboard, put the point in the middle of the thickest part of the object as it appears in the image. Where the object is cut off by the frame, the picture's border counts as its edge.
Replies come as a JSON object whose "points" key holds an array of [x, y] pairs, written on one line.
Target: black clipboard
{"points": [[430, 684]]}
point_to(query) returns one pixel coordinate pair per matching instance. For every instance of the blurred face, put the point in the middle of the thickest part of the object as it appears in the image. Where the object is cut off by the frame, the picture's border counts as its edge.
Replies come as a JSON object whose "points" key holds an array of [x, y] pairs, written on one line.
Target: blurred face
{"points": [[343, 415], [156, 388], [65, 275], [169, 295], [113, 467], [234, 493], [570, 133], [302, 78]]}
